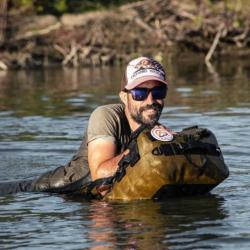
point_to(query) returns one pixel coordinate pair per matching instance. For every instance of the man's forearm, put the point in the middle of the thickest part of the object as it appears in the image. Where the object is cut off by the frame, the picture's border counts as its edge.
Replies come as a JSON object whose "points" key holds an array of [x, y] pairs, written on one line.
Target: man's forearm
{"points": [[109, 167]]}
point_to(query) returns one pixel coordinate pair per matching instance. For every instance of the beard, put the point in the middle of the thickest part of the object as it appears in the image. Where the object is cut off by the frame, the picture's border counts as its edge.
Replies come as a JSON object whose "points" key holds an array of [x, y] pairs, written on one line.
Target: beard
{"points": [[151, 119]]}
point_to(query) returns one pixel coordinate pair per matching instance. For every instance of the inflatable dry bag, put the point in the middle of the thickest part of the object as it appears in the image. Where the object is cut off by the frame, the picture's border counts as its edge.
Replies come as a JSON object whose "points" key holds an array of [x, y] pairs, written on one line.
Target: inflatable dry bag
{"points": [[187, 163]]}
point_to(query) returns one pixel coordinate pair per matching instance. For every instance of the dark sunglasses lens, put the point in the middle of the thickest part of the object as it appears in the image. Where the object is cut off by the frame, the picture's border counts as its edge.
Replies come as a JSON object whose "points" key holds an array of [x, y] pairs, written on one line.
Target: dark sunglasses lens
{"points": [[159, 92], [139, 94]]}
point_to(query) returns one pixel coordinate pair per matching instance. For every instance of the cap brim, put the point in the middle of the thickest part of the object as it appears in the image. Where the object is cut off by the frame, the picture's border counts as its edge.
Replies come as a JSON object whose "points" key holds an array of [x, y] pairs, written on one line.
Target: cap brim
{"points": [[141, 80]]}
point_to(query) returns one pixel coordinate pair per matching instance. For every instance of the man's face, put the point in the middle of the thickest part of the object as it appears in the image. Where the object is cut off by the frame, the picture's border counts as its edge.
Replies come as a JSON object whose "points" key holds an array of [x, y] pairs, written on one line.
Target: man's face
{"points": [[147, 111]]}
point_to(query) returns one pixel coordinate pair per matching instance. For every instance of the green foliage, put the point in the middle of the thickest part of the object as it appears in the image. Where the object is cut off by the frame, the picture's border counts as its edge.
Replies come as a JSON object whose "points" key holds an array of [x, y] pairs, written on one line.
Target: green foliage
{"points": [[54, 7], [20, 4], [59, 7], [25, 2]]}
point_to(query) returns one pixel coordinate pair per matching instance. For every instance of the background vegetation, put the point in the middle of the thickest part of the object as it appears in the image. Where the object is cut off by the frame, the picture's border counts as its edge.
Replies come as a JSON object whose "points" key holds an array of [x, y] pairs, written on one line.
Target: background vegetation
{"points": [[59, 7], [35, 33]]}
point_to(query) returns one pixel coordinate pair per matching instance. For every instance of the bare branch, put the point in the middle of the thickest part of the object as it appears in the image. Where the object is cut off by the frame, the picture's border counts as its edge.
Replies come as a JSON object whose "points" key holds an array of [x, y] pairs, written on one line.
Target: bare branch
{"points": [[215, 43]]}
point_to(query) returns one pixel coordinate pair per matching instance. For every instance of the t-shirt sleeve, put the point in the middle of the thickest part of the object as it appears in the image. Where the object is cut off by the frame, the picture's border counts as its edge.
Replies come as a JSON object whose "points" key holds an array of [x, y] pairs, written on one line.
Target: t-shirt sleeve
{"points": [[102, 124]]}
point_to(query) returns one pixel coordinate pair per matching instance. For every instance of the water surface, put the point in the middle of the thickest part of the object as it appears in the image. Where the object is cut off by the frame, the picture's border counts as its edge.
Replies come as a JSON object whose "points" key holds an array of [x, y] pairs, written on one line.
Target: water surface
{"points": [[43, 114]]}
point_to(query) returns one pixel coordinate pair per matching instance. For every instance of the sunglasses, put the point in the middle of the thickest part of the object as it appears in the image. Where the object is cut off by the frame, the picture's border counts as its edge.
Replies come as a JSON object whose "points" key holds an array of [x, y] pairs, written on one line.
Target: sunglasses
{"points": [[141, 94]]}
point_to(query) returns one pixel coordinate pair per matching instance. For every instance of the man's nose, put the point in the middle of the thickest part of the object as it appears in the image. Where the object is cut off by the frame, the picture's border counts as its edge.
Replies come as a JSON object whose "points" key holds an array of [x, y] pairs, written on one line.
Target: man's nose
{"points": [[150, 99]]}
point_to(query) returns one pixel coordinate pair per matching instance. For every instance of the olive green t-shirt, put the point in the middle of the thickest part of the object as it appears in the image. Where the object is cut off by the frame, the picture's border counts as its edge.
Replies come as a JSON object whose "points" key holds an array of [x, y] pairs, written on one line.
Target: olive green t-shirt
{"points": [[107, 122]]}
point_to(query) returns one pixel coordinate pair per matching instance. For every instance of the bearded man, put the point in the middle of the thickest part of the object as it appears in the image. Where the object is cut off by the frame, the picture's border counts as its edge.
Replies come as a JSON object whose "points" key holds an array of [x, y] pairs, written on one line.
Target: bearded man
{"points": [[109, 130], [142, 94]]}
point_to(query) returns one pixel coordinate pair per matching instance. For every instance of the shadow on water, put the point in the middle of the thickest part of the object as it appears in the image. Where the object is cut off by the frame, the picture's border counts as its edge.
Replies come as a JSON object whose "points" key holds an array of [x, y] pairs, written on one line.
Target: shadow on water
{"points": [[180, 223]]}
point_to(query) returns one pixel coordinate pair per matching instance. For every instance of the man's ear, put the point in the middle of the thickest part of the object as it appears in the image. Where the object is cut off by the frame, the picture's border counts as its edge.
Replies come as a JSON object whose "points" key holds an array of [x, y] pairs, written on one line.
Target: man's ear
{"points": [[123, 97]]}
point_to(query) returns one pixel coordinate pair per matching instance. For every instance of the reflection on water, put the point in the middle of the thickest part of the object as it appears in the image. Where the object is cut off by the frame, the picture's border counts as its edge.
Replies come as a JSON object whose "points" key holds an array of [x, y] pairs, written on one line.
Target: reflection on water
{"points": [[138, 225], [42, 118], [58, 92], [188, 223]]}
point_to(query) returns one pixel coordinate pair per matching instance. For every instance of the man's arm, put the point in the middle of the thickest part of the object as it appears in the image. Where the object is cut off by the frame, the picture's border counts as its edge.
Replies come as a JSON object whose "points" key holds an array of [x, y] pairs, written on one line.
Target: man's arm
{"points": [[102, 158]]}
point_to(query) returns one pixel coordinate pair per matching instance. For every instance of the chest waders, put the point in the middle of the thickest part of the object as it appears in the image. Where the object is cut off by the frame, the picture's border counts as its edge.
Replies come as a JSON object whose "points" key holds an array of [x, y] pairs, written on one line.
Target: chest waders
{"points": [[191, 164]]}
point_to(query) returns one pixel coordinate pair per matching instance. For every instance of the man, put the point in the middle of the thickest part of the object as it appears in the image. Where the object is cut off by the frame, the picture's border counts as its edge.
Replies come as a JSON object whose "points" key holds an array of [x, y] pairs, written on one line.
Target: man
{"points": [[144, 88], [142, 94]]}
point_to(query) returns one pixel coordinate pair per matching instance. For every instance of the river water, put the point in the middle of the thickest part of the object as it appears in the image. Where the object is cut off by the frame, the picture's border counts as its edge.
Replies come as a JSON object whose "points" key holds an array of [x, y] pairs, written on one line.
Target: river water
{"points": [[42, 117]]}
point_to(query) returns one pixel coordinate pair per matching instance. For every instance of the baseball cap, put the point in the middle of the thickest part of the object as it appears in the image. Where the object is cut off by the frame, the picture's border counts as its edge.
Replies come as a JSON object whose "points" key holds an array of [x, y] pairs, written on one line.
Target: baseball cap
{"points": [[140, 70]]}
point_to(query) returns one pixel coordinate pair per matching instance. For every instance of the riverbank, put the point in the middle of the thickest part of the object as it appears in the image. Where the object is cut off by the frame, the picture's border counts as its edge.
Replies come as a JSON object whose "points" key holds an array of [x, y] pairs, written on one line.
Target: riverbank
{"points": [[150, 27]]}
